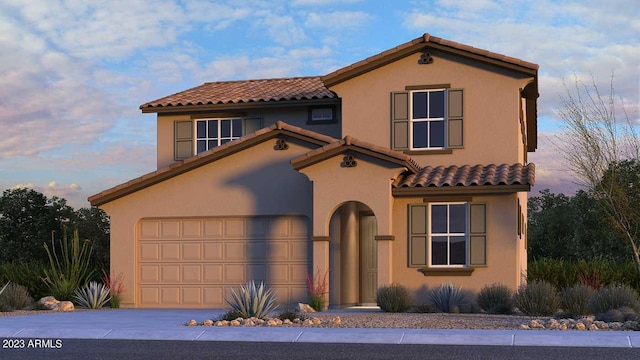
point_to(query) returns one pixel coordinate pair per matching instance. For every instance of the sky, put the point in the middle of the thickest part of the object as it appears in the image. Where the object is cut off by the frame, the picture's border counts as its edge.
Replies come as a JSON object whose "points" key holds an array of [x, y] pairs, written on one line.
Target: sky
{"points": [[73, 73]]}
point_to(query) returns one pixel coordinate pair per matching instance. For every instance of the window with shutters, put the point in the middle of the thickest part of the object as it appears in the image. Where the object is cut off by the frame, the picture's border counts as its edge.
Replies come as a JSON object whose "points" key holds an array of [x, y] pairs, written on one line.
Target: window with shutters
{"points": [[202, 134], [427, 118], [451, 234], [427, 130], [211, 133]]}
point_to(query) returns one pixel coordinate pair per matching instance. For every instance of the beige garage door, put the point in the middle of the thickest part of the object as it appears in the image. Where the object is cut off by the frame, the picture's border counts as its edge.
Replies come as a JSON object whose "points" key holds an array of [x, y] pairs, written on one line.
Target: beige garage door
{"points": [[194, 262]]}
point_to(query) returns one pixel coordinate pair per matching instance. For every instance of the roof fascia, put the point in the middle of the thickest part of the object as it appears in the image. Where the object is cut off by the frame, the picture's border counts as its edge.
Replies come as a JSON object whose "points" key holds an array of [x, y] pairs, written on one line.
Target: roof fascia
{"points": [[303, 163], [460, 190], [191, 108]]}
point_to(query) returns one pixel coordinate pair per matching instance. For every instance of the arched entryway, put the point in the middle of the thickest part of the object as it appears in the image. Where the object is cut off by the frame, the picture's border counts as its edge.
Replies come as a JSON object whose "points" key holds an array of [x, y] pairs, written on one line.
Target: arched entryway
{"points": [[353, 255]]}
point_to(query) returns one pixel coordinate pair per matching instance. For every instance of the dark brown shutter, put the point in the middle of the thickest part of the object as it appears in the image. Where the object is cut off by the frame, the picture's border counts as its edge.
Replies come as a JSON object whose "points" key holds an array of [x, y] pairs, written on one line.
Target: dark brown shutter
{"points": [[418, 235], [400, 120], [251, 125], [477, 234], [183, 131], [455, 114]]}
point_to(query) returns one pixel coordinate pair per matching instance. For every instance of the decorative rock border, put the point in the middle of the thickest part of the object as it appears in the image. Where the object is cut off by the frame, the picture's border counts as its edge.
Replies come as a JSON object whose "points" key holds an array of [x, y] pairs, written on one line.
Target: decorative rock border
{"points": [[266, 322], [585, 323]]}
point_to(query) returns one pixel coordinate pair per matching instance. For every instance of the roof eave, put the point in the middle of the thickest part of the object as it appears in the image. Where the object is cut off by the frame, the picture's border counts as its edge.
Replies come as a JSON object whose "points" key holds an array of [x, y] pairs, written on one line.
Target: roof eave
{"points": [[190, 108], [460, 190]]}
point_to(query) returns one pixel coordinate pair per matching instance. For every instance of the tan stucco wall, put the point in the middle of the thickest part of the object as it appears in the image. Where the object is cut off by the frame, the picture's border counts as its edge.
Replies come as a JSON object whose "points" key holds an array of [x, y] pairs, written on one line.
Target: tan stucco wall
{"points": [[491, 106], [296, 116], [244, 183], [503, 249]]}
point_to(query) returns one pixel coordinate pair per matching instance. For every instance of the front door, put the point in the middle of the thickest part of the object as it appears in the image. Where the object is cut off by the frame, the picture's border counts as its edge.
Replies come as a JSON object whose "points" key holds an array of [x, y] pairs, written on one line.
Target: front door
{"points": [[368, 259]]}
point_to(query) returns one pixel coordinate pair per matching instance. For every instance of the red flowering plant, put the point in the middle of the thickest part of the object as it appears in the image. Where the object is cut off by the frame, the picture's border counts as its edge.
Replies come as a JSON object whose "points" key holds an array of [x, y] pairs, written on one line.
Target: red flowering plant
{"points": [[116, 288], [318, 287]]}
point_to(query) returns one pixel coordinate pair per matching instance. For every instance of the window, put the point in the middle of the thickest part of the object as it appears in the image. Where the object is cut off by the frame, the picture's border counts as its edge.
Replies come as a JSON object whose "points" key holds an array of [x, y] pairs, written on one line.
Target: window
{"points": [[322, 114], [448, 234], [428, 119], [215, 132]]}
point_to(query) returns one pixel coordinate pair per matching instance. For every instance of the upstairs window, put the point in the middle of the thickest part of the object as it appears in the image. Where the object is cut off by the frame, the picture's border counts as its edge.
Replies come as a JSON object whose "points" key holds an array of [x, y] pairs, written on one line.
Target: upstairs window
{"points": [[322, 114], [215, 132], [428, 119]]}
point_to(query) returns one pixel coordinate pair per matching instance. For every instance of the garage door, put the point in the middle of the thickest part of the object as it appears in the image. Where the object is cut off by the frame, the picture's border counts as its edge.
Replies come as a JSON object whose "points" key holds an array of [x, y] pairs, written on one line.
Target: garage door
{"points": [[194, 262]]}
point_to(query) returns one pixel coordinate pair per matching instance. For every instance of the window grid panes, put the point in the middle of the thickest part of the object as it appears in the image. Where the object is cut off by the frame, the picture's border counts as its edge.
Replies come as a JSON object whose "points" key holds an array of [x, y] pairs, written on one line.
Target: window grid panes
{"points": [[322, 114], [211, 133], [448, 234], [428, 119]]}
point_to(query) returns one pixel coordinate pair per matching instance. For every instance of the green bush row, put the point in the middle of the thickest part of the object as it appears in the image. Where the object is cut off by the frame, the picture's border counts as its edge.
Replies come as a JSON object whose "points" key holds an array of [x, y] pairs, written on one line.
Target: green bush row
{"points": [[596, 273], [537, 298]]}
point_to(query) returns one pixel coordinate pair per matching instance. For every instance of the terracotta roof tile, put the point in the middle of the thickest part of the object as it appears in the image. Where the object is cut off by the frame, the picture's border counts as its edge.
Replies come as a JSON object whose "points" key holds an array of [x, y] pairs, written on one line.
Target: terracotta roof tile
{"points": [[247, 91], [467, 175]]}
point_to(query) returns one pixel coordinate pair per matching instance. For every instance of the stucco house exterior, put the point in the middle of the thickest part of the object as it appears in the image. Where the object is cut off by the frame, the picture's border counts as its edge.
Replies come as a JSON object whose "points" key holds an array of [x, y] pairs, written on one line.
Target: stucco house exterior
{"points": [[407, 167]]}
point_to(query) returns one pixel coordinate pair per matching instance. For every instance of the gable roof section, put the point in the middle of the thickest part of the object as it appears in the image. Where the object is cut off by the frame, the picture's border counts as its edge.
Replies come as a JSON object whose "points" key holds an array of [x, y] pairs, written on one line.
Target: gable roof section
{"points": [[349, 143], [466, 179], [419, 44], [243, 92], [180, 167]]}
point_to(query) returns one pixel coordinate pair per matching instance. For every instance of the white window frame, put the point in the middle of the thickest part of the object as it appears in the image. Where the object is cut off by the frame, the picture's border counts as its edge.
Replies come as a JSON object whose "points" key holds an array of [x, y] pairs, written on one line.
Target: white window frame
{"points": [[448, 234], [220, 140], [427, 120], [324, 118]]}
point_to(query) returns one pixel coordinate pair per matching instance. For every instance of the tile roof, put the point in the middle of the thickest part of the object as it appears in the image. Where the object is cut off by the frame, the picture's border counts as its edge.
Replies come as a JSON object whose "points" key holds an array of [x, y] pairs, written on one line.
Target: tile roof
{"points": [[419, 44], [351, 143], [203, 158], [467, 175], [246, 91]]}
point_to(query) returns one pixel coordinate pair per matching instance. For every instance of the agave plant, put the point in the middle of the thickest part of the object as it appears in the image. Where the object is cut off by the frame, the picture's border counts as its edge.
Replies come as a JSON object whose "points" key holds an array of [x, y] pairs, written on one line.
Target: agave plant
{"points": [[449, 299], [94, 295], [252, 301]]}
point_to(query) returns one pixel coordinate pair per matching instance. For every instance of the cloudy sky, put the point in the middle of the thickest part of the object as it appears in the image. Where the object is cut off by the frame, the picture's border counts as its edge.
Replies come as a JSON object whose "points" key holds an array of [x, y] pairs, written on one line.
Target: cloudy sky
{"points": [[74, 73]]}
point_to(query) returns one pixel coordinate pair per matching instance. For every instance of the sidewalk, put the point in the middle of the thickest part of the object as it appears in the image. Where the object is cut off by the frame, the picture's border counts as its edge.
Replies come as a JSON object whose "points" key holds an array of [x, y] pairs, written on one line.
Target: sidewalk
{"points": [[149, 324]]}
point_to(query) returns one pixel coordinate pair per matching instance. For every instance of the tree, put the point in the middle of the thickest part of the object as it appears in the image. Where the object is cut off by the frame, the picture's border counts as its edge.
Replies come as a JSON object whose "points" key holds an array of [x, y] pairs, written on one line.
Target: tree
{"points": [[27, 220], [93, 224], [572, 228], [602, 150]]}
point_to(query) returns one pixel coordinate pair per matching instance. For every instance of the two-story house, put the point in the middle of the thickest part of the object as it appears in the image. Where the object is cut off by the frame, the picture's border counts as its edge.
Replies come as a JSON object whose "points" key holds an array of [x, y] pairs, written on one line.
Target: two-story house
{"points": [[407, 167]]}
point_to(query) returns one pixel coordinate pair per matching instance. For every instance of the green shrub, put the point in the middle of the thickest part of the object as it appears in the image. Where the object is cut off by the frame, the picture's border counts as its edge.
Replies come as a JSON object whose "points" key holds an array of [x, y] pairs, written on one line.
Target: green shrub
{"points": [[537, 299], [496, 299], [596, 273], [252, 301], [230, 315], [27, 274], [69, 270], [614, 297], [423, 309], [14, 297], [292, 315], [629, 314], [94, 295], [394, 298], [574, 301], [450, 299]]}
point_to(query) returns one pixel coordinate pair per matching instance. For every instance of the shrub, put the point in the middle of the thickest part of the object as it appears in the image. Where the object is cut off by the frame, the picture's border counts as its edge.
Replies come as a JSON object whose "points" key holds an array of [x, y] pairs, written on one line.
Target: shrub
{"points": [[317, 290], [70, 270], [496, 299], [394, 298], [423, 309], [292, 315], [614, 297], [27, 274], [94, 295], [252, 301], [230, 315], [450, 299], [14, 297], [537, 299], [574, 301], [116, 288]]}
